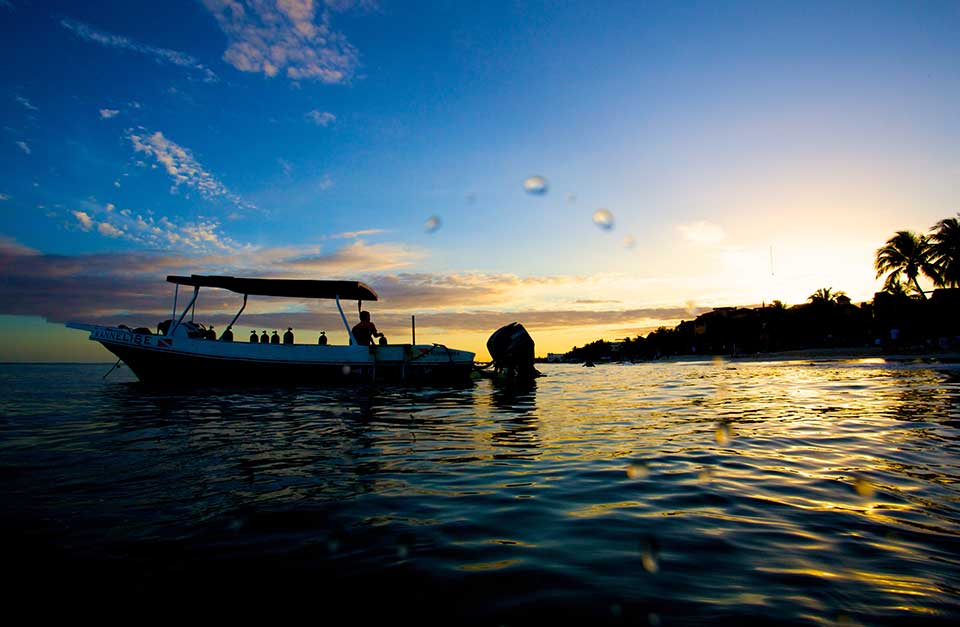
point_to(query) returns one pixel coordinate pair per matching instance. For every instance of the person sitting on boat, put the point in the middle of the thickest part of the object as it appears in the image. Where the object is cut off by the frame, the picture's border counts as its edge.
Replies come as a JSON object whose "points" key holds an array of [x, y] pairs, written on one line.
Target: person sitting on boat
{"points": [[365, 331], [264, 338], [322, 340], [210, 334], [383, 340], [227, 336], [276, 338], [253, 337]]}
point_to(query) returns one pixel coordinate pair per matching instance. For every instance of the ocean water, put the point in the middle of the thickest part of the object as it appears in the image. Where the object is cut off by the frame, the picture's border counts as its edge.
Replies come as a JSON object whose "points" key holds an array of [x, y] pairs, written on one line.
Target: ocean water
{"points": [[795, 492]]}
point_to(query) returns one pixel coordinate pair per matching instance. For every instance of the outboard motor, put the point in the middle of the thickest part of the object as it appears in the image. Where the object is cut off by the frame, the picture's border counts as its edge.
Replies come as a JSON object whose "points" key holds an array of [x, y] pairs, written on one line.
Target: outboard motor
{"points": [[511, 348]]}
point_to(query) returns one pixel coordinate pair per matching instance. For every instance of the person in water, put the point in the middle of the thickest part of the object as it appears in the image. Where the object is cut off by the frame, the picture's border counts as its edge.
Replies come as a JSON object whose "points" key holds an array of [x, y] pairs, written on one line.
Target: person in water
{"points": [[264, 338], [365, 331], [276, 338], [253, 337], [288, 336]]}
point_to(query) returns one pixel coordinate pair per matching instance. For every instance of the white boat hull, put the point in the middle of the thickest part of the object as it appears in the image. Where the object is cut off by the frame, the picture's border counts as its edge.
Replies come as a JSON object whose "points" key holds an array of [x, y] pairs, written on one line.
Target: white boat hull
{"points": [[175, 360]]}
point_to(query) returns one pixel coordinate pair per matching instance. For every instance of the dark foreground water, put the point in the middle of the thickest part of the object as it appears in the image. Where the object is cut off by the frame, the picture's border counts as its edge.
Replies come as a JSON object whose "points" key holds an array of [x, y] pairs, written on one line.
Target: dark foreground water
{"points": [[661, 494]]}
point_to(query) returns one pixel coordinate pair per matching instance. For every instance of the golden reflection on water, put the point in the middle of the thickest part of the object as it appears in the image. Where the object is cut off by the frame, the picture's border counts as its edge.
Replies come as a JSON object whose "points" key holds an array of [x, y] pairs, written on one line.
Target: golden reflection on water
{"points": [[827, 489], [482, 566], [811, 440]]}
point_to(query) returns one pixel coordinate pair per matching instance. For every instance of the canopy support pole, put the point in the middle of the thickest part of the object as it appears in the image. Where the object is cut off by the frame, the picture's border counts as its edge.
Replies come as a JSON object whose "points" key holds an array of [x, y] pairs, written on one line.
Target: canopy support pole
{"points": [[239, 312], [176, 292], [196, 291], [346, 324]]}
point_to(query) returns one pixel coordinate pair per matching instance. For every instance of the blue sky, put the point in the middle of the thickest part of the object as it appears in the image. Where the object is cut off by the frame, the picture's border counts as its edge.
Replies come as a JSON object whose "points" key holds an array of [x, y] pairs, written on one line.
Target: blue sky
{"points": [[291, 138]]}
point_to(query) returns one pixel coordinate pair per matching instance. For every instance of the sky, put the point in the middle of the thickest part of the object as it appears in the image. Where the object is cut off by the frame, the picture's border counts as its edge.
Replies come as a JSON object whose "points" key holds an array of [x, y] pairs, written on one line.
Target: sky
{"points": [[691, 155]]}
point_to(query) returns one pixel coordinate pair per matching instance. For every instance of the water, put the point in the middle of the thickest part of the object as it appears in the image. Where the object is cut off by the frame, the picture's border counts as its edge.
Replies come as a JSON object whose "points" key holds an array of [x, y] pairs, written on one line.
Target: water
{"points": [[536, 185], [603, 218], [663, 493]]}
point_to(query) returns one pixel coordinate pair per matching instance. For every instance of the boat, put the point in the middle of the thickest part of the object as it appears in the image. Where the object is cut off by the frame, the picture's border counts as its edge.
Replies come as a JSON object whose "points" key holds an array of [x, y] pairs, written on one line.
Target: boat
{"points": [[184, 352]]}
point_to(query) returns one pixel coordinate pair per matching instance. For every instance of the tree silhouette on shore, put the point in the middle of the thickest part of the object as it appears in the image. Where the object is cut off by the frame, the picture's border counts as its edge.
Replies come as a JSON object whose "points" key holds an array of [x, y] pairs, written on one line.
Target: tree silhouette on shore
{"points": [[945, 251], [906, 254], [826, 295]]}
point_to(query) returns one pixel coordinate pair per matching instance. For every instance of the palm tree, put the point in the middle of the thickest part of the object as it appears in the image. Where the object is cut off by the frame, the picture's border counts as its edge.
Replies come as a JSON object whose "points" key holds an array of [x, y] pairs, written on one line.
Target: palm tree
{"points": [[896, 288], [826, 296], [945, 251], [906, 253]]}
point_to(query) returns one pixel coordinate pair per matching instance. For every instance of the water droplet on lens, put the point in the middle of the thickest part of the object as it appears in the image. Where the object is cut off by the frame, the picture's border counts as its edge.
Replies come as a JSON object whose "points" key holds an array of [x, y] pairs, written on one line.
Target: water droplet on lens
{"points": [[432, 224], [603, 218], [402, 551], [629, 241], [536, 185], [345, 370], [333, 545], [616, 610], [471, 198], [653, 619], [863, 487], [648, 557], [571, 198], [638, 470], [722, 434], [691, 309]]}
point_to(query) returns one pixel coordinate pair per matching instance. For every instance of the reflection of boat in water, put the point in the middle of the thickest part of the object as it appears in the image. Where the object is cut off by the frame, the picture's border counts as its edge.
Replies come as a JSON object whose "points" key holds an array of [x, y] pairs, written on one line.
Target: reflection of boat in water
{"points": [[182, 353]]}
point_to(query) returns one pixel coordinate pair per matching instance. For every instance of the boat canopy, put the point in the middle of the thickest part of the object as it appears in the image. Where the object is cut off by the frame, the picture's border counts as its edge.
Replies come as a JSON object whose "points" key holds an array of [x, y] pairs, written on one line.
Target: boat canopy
{"points": [[287, 288]]}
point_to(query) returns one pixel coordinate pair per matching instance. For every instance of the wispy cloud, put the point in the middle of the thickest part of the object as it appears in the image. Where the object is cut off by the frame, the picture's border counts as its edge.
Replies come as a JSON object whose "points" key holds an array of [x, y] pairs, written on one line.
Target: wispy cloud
{"points": [[24, 147], [356, 234], [202, 235], [86, 222], [26, 103], [160, 55], [321, 118], [180, 164], [106, 114], [287, 36], [702, 232], [105, 228]]}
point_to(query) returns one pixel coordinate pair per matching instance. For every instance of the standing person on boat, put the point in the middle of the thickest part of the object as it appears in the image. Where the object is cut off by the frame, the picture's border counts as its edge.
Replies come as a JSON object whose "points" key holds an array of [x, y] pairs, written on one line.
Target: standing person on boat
{"points": [[253, 337], [264, 338], [275, 339], [365, 331], [322, 340], [288, 336], [227, 336]]}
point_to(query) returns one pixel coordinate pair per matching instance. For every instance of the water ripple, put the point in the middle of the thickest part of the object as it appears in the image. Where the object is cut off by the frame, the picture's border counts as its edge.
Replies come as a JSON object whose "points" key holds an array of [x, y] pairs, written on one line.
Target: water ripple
{"points": [[674, 493]]}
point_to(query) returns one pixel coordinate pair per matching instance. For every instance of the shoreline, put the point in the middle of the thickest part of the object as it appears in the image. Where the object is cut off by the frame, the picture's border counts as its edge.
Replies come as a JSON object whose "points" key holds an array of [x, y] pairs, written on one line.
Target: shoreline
{"points": [[813, 354]]}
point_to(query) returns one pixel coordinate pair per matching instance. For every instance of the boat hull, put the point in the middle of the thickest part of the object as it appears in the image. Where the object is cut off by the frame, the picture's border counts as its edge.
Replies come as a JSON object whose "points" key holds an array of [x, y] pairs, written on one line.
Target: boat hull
{"points": [[192, 361], [194, 369]]}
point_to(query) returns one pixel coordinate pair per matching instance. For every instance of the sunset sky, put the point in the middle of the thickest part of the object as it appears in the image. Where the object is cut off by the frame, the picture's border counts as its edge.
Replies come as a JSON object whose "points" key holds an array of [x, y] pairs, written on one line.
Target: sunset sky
{"points": [[746, 151]]}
